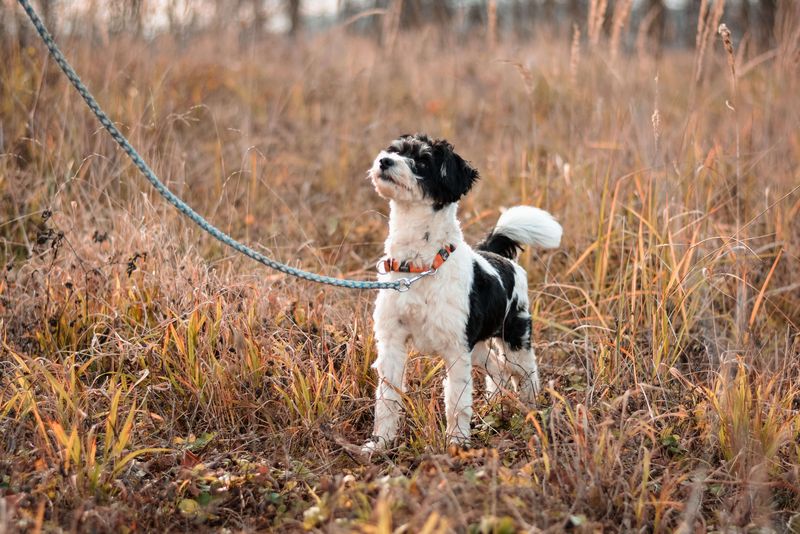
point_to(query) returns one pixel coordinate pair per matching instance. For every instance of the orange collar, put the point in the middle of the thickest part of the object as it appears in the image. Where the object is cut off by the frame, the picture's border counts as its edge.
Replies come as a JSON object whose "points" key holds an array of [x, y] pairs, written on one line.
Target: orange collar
{"points": [[392, 265]]}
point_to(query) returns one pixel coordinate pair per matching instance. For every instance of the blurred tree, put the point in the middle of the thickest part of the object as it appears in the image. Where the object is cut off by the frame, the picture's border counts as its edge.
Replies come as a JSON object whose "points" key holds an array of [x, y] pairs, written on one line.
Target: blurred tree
{"points": [[476, 15], [744, 14], [172, 18], [548, 11], [134, 16], [414, 13], [49, 14], [767, 25], [663, 22], [346, 9], [225, 12], [575, 12], [655, 9], [293, 9], [410, 13], [127, 16], [441, 11], [523, 16], [259, 17]]}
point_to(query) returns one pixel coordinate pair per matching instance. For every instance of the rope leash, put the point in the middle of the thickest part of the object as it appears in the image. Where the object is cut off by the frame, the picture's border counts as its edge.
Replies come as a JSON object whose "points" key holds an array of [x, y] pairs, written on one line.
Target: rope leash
{"points": [[403, 284]]}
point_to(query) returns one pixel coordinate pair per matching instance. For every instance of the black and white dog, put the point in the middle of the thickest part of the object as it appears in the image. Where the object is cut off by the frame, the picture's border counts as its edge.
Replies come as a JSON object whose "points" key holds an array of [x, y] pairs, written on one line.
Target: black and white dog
{"points": [[473, 297]]}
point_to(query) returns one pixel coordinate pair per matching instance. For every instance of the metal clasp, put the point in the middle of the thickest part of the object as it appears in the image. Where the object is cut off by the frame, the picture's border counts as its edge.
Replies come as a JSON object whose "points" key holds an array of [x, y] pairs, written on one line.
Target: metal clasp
{"points": [[405, 283], [381, 267]]}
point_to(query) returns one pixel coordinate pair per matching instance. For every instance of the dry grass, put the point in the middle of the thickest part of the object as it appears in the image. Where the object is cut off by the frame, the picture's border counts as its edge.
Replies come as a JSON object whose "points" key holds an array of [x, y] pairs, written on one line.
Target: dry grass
{"points": [[150, 380]]}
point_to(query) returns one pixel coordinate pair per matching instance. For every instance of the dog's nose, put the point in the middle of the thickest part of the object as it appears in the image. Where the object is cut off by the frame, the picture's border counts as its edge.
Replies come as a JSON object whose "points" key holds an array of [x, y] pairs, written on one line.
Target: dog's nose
{"points": [[386, 163]]}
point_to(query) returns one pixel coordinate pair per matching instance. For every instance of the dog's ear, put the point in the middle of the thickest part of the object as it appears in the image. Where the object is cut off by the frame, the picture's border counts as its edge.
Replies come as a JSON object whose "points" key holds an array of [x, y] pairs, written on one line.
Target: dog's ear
{"points": [[466, 174], [456, 175]]}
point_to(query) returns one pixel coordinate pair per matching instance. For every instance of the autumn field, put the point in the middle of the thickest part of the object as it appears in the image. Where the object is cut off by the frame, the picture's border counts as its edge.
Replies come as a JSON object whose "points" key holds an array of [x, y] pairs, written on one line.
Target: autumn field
{"points": [[152, 380]]}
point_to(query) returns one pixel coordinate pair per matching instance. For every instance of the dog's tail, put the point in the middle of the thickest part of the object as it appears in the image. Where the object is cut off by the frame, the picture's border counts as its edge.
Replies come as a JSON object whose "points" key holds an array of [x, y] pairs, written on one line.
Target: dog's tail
{"points": [[522, 225]]}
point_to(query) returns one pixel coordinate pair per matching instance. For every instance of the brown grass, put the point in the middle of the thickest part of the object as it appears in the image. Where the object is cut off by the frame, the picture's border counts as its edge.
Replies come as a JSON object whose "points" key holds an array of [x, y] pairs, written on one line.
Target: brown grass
{"points": [[150, 380]]}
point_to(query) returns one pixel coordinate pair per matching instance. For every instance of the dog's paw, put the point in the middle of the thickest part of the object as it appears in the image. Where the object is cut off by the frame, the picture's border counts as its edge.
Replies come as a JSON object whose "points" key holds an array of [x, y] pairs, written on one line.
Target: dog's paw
{"points": [[369, 447], [457, 445], [459, 439], [375, 444], [529, 389]]}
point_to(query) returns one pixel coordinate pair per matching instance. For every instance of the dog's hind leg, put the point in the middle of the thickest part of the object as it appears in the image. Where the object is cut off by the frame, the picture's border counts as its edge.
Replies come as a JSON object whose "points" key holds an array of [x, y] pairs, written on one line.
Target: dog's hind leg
{"points": [[522, 364], [491, 359], [520, 358]]}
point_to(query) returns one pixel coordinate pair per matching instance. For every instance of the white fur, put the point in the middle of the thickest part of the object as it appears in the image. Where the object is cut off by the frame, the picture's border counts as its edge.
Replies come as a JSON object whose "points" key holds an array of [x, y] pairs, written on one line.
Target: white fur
{"points": [[404, 188], [433, 314], [529, 225]]}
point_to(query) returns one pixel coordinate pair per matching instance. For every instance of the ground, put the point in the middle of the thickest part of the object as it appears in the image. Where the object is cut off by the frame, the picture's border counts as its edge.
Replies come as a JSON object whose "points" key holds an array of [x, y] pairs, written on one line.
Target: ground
{"points": [[151, 380]]}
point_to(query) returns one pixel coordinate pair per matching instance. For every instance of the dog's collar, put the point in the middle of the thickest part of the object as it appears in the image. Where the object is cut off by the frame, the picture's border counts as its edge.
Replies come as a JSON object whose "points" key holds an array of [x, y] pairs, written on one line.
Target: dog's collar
{"points": [[392, 265]]}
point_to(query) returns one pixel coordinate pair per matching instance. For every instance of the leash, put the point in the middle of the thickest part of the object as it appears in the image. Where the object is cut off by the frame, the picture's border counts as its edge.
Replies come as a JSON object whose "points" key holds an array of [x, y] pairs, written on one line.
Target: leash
{"points": [[402, 284]]}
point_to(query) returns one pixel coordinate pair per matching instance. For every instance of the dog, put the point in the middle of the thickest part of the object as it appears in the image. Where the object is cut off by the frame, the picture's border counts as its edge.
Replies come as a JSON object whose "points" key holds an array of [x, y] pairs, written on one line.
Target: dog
{"points": [[467, 299]]}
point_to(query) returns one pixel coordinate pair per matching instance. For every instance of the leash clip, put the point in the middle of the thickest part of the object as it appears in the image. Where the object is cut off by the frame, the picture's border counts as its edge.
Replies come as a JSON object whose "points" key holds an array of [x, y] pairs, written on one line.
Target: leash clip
{"points": [[405, 283]]}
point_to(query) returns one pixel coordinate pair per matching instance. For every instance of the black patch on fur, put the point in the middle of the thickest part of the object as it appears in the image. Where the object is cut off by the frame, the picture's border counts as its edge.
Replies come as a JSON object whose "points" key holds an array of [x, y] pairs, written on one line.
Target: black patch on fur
{"points": [[487, 306], [489, 299], [488, 302], [517, 328], [444, 176], [504, 268], [500, 244]]}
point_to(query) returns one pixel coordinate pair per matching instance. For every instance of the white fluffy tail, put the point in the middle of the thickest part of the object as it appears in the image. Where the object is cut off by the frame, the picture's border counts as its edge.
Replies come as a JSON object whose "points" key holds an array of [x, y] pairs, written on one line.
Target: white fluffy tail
{"points": [[530, 226], [522, 225]]}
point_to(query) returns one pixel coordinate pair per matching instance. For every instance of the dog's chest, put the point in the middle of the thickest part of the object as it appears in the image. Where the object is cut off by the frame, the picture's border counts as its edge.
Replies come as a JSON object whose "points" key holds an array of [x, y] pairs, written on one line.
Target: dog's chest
{"points": [[435, 313]]}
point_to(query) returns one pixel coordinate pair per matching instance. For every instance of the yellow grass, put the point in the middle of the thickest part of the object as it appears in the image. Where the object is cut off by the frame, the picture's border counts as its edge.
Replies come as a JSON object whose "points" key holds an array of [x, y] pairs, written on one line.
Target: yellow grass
{"points": [[151, 380]]}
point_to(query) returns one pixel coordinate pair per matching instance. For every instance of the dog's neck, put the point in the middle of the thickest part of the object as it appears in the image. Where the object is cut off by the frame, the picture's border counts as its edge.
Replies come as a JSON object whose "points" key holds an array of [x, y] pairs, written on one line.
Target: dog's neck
{"points": [[417, 233]]}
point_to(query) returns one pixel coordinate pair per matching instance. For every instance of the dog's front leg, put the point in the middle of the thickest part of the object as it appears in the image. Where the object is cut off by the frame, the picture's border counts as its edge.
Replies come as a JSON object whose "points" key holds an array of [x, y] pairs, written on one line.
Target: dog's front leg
{"points": [[458, 395], [390, 365]]}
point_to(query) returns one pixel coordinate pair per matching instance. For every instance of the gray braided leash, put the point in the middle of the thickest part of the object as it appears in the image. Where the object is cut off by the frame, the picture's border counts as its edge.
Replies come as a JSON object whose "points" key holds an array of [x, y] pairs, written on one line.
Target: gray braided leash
{"points": [[402, 284]]}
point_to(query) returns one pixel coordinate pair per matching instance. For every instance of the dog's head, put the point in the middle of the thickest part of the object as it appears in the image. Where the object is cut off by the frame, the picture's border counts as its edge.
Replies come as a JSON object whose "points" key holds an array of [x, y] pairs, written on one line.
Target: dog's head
{"points": [[416, 169]]}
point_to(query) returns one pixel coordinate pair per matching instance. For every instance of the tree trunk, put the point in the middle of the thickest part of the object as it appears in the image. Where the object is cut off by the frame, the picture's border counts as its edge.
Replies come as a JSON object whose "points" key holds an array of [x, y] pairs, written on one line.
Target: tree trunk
{"points": [[410, 13], [49, 15], [744, 15], [441, 11], [294, 16], [659, 21], [576, 15], [136, 16], [259, 18], [767, 22]]}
